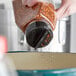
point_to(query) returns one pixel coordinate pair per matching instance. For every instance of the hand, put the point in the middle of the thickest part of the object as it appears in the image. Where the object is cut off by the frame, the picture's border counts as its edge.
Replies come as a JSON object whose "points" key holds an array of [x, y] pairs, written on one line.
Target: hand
{"points": [[68, 7], [3, 45]]}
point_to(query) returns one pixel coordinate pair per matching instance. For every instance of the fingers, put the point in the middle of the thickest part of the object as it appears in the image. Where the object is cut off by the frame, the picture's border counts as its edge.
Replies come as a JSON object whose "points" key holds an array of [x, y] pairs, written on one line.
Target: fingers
{"points": [[62, 11], [3, 44], [67, 8]]}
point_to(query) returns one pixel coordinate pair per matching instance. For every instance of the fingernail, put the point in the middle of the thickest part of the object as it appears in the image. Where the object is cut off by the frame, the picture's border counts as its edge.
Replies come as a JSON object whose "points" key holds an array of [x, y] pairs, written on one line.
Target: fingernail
{"points": [[24, 2], [29, 3], [32, 2]]}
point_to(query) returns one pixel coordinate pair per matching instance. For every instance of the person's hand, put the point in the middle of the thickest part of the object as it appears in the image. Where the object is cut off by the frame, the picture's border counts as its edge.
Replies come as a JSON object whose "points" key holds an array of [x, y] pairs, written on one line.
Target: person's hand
{"points": [[3, 45], [68, 7]]}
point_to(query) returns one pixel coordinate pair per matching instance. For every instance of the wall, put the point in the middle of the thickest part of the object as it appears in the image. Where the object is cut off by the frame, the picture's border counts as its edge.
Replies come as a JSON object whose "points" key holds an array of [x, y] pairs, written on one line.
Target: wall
{"points": [[73, 33]]}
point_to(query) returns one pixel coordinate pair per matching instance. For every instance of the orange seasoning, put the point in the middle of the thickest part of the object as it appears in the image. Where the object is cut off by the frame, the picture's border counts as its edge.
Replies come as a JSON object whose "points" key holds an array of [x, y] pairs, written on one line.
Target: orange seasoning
{"points": [[47, 12]]}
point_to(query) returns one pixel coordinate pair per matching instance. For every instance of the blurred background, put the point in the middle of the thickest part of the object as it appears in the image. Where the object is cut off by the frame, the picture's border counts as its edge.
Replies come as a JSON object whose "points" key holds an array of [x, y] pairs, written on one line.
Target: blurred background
{"points": [[64, 34], [63, 41]]}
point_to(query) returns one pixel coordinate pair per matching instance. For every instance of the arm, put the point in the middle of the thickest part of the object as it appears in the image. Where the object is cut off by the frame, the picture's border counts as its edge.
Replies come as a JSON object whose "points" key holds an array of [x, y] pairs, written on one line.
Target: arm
{"points": [[67, 8]]}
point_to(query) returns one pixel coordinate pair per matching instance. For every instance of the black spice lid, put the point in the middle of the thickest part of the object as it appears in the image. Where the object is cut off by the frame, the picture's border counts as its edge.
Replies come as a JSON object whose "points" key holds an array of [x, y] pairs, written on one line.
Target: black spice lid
{"points": [[38, 34]]}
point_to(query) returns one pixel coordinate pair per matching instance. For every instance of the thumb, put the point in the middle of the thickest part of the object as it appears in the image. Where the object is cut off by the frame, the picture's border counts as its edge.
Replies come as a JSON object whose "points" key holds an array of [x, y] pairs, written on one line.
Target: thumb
{"points": [[3, 45]]}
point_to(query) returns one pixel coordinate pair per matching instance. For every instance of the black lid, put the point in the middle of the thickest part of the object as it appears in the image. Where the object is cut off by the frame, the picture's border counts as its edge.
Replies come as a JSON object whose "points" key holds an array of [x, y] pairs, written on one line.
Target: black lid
{"points": [[38, 34]]}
